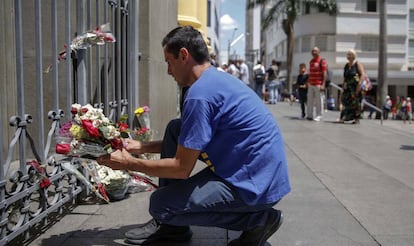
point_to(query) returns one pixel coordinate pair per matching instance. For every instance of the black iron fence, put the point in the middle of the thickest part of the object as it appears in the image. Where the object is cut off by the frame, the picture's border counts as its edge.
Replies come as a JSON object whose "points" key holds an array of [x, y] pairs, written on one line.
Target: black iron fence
{"points": [[65, 52]]}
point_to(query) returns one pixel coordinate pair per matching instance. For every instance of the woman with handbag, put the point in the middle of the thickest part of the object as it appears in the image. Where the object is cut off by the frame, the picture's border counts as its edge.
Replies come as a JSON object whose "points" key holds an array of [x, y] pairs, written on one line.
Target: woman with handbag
{"points": [[354, 75]]}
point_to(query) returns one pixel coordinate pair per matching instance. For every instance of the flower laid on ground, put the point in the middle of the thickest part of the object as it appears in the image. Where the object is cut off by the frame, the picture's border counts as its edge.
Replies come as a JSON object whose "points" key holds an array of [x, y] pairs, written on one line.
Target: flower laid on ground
{"points": [[90, 133], [40, 173]]}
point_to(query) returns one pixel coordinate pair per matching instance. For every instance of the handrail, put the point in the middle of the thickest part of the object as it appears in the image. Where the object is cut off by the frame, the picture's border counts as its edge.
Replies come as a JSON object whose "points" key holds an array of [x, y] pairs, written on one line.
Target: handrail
{"points": [[363, 102]]}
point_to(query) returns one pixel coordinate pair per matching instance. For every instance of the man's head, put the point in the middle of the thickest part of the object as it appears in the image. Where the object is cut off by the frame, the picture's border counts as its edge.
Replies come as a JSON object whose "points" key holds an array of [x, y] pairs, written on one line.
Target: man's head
{"points": [[189, 38], [185, 49], [315, 52]]}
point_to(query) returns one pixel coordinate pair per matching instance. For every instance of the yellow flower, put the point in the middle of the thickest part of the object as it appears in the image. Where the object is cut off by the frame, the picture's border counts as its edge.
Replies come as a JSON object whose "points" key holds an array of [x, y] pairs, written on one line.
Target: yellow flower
{"points": [[77, 131], [139, 111]]}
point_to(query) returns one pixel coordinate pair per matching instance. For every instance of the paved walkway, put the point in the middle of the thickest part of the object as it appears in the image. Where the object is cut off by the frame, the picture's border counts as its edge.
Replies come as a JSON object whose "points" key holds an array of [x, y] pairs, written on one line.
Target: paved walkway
{"points": [[351, 185]]}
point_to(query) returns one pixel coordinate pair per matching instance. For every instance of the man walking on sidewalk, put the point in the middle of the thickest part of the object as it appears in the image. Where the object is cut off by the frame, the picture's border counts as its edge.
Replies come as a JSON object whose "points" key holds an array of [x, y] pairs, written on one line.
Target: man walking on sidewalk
{"points": [[230, 129], [316, 84]]}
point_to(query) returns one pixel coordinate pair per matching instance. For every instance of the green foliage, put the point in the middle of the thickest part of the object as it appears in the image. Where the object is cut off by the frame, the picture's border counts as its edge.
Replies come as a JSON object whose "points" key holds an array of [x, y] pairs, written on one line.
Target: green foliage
{"points": [[290, 8]]}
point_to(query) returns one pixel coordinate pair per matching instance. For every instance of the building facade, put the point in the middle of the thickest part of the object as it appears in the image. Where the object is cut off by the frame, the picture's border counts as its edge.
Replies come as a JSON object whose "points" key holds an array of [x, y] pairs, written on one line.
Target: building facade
{"points": [[355, 26]]}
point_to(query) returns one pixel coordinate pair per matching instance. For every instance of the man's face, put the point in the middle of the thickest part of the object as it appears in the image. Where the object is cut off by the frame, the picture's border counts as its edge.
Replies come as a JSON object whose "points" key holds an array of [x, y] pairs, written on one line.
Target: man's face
{"points": [[315, 52], [176, 67]]}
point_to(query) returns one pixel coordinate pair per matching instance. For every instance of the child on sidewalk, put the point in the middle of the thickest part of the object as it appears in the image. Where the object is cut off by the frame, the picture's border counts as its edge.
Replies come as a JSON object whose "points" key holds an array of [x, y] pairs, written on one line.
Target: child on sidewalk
{"points": [[301, 84]]}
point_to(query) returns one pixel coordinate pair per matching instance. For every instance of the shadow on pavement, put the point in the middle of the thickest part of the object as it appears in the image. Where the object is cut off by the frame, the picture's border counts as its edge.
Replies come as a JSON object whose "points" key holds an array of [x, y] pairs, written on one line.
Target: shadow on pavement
{"points": [[407, 147]]}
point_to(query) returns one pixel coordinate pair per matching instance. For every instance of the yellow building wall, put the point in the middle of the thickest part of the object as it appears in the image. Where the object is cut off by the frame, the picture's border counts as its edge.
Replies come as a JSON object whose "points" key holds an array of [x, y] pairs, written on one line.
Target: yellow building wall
{"points": [[194, 13]]}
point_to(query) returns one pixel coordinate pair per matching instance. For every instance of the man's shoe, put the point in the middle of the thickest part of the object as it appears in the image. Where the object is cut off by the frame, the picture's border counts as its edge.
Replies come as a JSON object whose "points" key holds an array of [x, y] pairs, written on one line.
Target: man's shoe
{"points": [[318, 118], [152, 231], [259, 235]]}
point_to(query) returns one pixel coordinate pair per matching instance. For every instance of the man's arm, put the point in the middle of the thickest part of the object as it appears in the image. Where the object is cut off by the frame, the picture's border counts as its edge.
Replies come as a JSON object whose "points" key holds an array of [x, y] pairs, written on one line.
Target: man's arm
{"points": [[178, 167]]}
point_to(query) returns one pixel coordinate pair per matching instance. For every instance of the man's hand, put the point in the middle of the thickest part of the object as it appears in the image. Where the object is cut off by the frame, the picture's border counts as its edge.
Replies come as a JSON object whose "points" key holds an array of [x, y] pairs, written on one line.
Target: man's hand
{"points": [[117, 160], [133, 146], [322, 87]]}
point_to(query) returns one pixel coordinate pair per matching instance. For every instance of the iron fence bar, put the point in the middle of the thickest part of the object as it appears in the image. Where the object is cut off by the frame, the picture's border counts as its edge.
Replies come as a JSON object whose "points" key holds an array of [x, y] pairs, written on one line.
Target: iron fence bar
{"points": [[124, 98], [39, 77], [89, 54], [69, 82], [113, 104], [81, 86], [133, 58], [19, 78], [118, 58], [54, 56], [124, 11], [98, 62], [106, 66]]}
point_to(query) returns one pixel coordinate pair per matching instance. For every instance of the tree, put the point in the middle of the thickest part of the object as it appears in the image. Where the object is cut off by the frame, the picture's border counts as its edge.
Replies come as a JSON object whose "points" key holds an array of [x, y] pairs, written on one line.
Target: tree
{"points": [[289, 10]]}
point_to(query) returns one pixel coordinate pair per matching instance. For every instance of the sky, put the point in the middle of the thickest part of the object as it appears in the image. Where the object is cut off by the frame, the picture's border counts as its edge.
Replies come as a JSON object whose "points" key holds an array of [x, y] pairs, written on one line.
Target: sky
{"points": [[233, 15]]}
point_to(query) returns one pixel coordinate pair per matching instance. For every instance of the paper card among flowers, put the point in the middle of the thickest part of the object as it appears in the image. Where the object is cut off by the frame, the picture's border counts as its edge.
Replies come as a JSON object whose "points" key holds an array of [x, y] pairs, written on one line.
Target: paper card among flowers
{"points": [[90, 134]]}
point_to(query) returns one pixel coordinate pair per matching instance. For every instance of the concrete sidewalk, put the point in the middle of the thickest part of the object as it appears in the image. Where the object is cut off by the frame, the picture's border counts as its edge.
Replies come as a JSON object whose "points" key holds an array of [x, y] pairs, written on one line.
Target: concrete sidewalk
{"points": [[351, 185]]}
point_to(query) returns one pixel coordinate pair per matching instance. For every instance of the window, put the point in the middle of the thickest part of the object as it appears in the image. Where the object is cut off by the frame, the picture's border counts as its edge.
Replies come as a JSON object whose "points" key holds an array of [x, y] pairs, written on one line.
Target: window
{"points": [[321, 42], [371, 5], [411, 48], [369, 43], [412, 18], [306, 44], [297, 43]]}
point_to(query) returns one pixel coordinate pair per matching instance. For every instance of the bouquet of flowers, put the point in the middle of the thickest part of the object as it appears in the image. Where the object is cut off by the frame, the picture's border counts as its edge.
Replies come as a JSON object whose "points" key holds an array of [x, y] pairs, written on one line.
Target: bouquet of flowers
{"points": [[90, 133], [143, 132]]}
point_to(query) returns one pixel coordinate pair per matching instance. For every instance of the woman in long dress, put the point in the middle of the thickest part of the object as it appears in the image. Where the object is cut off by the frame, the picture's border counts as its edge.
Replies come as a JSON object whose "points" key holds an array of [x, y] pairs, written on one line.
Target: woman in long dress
{"points": [[354, 74]]}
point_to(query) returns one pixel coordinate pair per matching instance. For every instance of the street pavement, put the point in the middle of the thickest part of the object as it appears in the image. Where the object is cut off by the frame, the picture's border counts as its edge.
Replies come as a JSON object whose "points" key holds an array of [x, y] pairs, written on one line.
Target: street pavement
{"points": [[351, 185]]}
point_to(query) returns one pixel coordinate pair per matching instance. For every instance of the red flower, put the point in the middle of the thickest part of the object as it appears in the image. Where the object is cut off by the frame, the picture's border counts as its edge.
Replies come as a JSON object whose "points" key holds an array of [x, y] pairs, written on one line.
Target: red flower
{"points": [[74, 111], [123, 126], [102, 191], [84, 110], [116, 143], [63, 148], [90, 129], [44, 183]]}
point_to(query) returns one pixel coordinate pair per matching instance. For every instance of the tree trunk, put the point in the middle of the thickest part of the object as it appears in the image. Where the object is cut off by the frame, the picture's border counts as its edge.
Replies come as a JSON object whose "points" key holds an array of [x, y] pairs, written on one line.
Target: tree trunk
{"points": [[290, 46], [382, 89], [288, 28]]}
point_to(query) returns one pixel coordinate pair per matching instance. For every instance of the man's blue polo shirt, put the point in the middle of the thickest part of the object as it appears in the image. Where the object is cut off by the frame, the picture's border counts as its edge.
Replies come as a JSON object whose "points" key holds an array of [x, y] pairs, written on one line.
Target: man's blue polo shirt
{"points": [[242, 142]]}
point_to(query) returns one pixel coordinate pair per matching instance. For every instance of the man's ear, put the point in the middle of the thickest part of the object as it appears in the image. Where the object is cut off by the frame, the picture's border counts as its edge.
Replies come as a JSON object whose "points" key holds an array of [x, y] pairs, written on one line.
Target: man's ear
{"points": [[184, 54]]}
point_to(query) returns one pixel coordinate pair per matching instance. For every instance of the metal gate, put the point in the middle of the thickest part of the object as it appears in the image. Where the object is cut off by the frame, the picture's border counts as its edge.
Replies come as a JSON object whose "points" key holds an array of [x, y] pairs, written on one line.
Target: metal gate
{"points": [[53, 74]]}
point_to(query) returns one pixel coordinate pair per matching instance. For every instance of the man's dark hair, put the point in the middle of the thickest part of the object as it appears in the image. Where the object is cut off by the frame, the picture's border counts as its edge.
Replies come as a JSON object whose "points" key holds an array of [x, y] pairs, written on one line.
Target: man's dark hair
{"points": [[189, 38]]}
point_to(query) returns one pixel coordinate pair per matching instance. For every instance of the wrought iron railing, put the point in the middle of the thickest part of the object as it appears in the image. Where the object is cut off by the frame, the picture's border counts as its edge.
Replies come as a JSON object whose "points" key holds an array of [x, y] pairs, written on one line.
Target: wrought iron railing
{"points": [[33, 183]]}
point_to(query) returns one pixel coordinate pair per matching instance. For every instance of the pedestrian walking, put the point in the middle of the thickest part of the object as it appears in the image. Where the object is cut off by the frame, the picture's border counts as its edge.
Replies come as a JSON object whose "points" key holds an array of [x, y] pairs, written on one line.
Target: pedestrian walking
{"points": [[354, 75]]}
